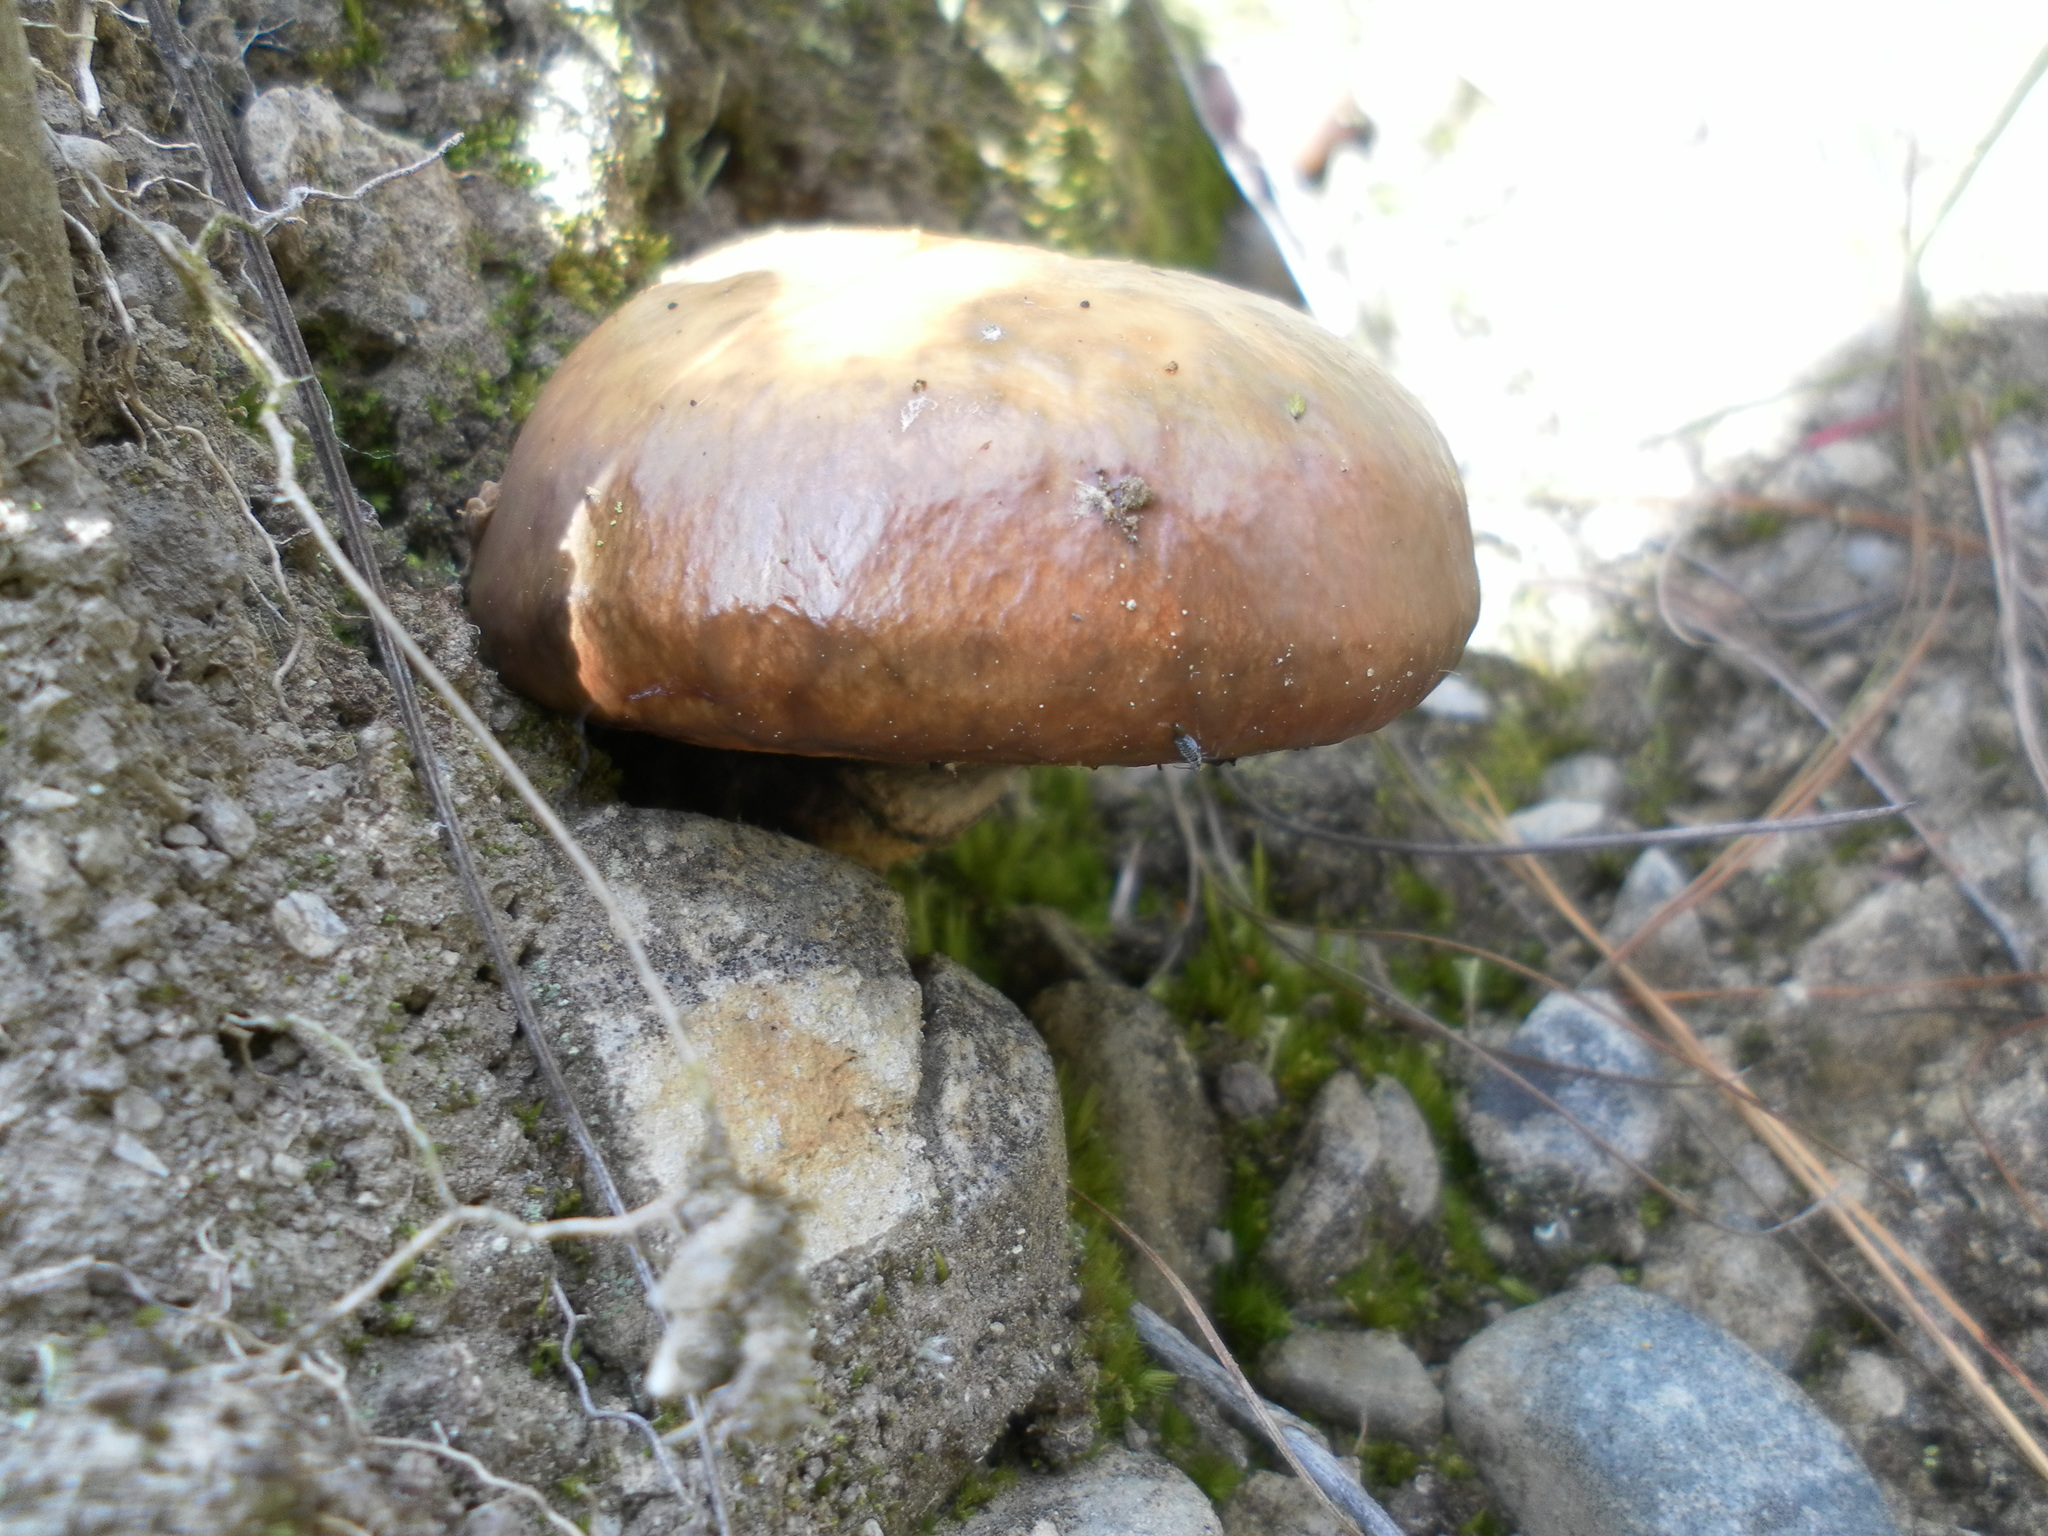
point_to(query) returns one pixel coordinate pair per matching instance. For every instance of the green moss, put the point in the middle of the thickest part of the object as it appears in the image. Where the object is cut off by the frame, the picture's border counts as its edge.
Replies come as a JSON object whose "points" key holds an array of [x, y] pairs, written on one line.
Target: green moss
{"points": [[1127, 1379], [1210, 1470], [1537, 723], [1388, 1463], [1656, 779], [1118, 157], [362, 48], [368, 428], [982, 1485], [491, 144], [596, 269], [1391, 1289], [1250, 1309], [1041, 847]]}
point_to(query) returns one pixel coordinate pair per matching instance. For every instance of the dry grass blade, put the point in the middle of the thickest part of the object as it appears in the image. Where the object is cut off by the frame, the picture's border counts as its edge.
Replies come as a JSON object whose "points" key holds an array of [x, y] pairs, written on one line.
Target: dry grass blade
{"points": [[2006, 114], [633, 1421], [1177, 1353]]}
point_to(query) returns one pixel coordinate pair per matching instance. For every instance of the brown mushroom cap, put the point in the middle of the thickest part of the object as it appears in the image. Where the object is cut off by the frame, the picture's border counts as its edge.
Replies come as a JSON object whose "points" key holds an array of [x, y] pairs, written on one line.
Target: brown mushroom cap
{"points": [[893, 496]]}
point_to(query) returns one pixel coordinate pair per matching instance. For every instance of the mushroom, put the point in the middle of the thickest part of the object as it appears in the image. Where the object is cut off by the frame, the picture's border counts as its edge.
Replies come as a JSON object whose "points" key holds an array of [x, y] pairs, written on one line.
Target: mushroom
{"points": [[943, 506]]}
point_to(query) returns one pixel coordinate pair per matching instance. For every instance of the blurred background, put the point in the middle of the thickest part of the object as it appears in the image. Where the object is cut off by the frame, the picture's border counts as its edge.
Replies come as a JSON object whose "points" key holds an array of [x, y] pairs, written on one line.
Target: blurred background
{"points": [[1604, 241]]}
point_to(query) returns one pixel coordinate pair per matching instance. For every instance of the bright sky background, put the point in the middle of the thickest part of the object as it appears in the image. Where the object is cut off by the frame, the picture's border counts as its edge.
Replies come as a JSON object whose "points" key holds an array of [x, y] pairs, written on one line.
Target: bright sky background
{"points": [[1651, 213]]}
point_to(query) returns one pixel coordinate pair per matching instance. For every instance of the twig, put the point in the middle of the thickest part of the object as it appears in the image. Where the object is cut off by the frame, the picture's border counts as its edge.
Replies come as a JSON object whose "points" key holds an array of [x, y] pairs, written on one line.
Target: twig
{"points": [[609, 1415], [2006, 114], [1179, 1355], [1707, 832], [295, 199], [373, 1079], [395, 1264], [484, 1475], [700, 1422]]}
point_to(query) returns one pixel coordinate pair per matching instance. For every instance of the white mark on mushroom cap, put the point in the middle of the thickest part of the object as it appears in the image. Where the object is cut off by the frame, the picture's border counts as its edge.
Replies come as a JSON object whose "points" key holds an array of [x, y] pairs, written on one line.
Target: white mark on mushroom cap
{"points": [[991, 333]]}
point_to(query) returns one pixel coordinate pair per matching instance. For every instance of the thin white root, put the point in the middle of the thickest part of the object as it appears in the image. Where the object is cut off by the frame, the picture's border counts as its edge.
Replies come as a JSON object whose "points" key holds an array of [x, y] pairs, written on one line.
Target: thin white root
{"points": [[484, 1475]]}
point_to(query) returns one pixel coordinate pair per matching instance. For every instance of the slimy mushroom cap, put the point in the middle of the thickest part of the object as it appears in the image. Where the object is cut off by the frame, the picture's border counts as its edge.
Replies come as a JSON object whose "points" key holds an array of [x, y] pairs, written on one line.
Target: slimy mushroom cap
{"points": [[909, 499]]}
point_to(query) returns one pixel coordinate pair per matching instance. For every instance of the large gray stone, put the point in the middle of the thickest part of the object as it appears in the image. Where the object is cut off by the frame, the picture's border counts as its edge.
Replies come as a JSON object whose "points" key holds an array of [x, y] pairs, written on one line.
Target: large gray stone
{"points": [[1369, 1382], [913, 1121], [1547, 1164], [1609, 1412], [1119, 1493], [1366, 1169], [1119, 1044]]}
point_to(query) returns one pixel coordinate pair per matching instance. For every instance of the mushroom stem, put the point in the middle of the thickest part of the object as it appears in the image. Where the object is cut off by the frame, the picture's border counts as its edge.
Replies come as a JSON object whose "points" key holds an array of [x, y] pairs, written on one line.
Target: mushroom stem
{"points": [[885, 813], [876, 814]]}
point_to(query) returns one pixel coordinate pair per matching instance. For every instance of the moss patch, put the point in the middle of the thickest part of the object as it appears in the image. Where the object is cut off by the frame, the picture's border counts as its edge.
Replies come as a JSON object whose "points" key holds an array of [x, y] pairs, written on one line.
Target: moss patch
{"points": [[1042, 847]]}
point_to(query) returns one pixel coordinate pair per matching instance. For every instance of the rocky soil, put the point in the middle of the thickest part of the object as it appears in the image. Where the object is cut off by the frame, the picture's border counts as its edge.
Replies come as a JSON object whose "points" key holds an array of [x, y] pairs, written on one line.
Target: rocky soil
{"points": [[232, 946]]}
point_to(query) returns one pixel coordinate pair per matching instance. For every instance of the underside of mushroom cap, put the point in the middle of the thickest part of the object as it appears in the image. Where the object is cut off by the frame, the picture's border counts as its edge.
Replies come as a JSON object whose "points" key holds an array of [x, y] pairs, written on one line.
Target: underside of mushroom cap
{"points": [[892, 496]]}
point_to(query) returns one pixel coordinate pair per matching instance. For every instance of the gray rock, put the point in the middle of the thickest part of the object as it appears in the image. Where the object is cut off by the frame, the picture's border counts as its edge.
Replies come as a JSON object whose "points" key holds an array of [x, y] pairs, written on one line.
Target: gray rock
{"points": [[1872, 1388], [398, 269], [310, 926], [2012, 1108], [1548, 1165], [1746, 1283], [1370, 1383], [1119, 1493], [1993, 848], [2037, 869], [500, 1517], [1246, 1091], [1458, 699], [227, 826], [1274, 1504], [1609, 1412], [1553, 819], [1366, 1168], [913, 1121], [1119, 1044], [1675, 954], [1586, 776], [1041, 947], [1901, 932], [1930, 741]]}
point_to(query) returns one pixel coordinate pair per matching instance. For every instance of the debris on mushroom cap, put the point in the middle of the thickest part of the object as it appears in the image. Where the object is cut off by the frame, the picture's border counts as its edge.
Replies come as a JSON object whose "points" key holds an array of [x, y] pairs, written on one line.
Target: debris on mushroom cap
{"points": [[887, 495]]}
